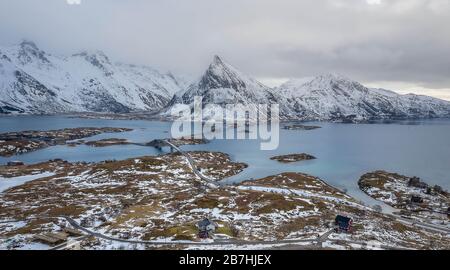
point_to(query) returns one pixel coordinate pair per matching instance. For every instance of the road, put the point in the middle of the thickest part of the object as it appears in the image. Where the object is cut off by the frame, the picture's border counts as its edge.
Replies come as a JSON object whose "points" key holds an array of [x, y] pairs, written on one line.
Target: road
{"points": [[69, 244], [423, 225], [75, 224], [315, 243], [311, 243], [211, 182]]}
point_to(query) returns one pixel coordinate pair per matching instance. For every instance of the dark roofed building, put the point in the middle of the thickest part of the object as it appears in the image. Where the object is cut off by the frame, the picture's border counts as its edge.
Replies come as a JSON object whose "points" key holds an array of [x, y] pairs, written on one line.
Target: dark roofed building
{"points": [[416, 199], [343, 223], [205, 228], [415, 182]]}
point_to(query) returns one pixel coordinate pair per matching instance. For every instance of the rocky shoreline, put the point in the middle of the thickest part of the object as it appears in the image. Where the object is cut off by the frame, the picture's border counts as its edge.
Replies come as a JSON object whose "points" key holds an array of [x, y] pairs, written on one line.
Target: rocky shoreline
{"points": [[14, 143], [412, 197]]}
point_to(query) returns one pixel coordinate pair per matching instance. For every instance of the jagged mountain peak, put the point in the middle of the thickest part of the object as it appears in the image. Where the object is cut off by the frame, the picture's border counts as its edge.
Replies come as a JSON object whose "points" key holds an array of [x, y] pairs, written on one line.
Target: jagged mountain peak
{"points": [[223, 84], [93, 53], [326, 78], [98, 59], [94, 57], [222, 75], [217, 60], [28, 44], [4, 56], [332, 80], [331, 83], [333, 77], [220, 67], [28, 52]]}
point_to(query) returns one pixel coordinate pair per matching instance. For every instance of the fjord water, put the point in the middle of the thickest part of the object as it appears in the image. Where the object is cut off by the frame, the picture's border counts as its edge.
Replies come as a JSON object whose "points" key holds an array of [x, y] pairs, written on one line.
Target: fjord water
{"points": [[344, 151]]}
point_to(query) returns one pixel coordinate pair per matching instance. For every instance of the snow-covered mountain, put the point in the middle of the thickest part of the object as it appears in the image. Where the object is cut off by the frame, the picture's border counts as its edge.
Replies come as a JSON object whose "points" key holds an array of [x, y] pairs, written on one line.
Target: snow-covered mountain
{"points": [[331, 97], [327, 97], [223, 84], [34, 81]]}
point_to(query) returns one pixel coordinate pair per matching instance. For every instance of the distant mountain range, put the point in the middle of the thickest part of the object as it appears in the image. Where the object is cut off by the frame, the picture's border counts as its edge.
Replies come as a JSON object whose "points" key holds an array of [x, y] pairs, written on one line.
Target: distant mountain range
{"points": [[326, 97], [333, 97], [33, 81]]}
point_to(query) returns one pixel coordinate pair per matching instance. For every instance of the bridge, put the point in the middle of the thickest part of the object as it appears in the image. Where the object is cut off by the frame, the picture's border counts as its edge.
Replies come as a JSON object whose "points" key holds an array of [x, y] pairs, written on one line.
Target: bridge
{"points": [[160, 143]]}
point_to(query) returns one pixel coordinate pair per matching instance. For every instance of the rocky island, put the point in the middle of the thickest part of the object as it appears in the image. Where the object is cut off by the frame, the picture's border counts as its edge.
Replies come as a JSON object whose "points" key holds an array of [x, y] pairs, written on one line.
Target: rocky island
{"points": [[412, 197], [293, 158], [300, 127], [107, 142], [13, 143]]}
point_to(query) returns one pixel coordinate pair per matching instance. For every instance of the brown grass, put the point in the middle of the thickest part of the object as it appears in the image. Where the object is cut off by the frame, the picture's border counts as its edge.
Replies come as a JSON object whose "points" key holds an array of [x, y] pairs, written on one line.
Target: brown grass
{"points": [[298, 224], [186, 232]]}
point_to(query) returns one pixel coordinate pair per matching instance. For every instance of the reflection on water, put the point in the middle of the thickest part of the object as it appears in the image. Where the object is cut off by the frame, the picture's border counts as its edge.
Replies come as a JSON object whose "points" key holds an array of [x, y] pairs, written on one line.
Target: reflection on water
{"points": [[344, 151]]}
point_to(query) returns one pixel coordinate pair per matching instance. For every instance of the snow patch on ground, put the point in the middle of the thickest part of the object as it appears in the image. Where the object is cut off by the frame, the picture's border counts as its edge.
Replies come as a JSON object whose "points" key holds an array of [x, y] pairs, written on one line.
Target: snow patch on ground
{"points": [[6, 183]]}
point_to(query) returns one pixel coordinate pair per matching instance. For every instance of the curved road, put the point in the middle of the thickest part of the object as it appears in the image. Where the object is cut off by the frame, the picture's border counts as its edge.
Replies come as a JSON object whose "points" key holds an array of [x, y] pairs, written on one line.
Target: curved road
{"points": [[315, 243], [191, 243], [211, 182]]}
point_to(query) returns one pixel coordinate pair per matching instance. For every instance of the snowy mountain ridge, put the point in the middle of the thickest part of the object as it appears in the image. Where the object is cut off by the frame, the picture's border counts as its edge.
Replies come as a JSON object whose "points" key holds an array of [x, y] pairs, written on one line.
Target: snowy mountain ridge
{"points": [[33, 81], [222, 83], [330, 96], [325, 97]]}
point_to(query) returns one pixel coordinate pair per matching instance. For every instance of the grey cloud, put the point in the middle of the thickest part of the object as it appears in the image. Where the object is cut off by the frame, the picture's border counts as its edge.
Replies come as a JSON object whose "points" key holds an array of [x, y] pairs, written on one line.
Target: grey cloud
{"points": [[398, 40]]}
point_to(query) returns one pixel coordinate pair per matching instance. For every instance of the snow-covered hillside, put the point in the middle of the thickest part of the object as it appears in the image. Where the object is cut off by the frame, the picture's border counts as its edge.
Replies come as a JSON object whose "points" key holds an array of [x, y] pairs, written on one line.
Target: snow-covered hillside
{"points": [[330, 97], [223, 84], [34, 81], [327, 97]]}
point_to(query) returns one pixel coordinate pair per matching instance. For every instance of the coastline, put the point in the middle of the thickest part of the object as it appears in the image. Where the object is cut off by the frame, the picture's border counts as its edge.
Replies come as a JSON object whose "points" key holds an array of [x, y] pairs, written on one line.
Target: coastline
{"points": [[274, 190], [296, 197]]}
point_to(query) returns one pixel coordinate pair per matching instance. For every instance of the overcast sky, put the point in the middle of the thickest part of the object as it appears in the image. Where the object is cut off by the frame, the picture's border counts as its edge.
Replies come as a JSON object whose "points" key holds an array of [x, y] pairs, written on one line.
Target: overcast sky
{"points": [[399, 44]]}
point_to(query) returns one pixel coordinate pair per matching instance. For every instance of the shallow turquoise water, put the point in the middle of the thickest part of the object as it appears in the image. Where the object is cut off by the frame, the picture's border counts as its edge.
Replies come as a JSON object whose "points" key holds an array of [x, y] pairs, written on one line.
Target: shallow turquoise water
{"points": [[344, 151]]}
